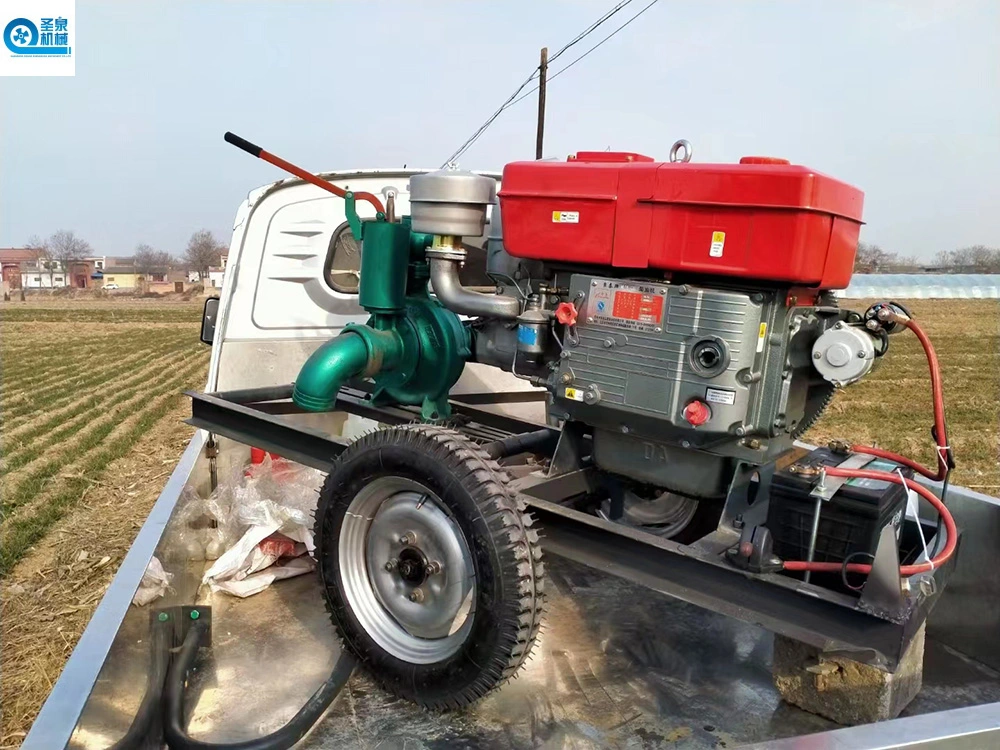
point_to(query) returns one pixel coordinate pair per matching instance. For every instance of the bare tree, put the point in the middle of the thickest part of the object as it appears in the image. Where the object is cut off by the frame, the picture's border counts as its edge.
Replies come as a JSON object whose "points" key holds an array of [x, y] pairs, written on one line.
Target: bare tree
{"points": [[203, 251], [148, 261], [974, 259], [66, 249], [39, 250], [872, 258]]}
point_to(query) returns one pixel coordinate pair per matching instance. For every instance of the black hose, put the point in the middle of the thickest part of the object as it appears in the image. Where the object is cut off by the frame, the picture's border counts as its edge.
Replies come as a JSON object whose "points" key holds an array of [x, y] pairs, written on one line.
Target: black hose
{"points": [[543, 440], [282, 739], [138, 734]]}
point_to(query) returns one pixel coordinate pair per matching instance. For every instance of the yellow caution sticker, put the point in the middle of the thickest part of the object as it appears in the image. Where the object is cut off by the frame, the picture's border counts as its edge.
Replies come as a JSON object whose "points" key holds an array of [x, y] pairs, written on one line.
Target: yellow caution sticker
{"points": [[761, 335], [565, 217], [574, 393], [718, 243]]}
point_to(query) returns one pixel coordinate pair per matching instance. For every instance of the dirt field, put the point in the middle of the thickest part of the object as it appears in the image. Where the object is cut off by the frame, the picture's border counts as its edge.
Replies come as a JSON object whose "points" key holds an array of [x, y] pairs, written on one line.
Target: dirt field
{"points": [[91, 427]]}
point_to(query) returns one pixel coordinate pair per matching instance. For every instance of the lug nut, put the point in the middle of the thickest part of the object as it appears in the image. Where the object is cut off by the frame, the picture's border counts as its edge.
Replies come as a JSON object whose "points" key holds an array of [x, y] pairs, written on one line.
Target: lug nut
{"points": [[390, 566], [407, 538], [433, 568], [417, 595]]}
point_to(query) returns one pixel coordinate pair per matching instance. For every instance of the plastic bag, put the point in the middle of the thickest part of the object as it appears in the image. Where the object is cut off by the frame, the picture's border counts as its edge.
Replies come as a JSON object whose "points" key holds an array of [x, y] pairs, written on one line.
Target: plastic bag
{"points": [[154, 584], [272, 504]]}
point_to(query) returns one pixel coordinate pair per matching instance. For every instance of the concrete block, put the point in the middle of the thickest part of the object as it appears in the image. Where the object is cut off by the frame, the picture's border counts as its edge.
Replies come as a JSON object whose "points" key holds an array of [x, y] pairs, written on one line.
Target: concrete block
{"points": [[843, 690]]}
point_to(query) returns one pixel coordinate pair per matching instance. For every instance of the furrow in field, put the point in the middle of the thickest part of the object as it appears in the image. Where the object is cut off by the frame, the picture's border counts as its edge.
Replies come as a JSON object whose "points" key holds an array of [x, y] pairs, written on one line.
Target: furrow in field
{"points": [[17, 431], [21, 445], [23, 485], [30, 523], [63, 393], [50, 348], [39, 359], [28, 399], [46, 377]]}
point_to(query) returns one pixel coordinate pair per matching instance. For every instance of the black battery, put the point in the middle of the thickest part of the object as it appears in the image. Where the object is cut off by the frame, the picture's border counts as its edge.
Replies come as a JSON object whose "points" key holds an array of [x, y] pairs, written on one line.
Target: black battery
{"points": [[850, 522]]}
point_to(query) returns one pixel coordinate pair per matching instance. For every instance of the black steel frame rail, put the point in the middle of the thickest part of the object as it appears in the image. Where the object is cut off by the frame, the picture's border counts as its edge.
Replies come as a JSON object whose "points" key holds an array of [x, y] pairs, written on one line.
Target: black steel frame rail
{"points": [[828, 620]]}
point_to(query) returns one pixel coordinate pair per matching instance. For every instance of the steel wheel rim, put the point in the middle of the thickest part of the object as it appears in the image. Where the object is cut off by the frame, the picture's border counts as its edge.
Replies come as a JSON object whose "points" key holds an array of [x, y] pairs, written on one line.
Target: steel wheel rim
{"points": [[400, 522]]}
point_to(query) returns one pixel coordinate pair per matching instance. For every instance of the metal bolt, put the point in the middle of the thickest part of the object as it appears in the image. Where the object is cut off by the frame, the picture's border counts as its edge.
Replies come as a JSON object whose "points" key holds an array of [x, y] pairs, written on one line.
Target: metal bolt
{"points": [[163, 617], [839, 325], [391, 565], [861, 354], [741, 430], [754, 444], [590, 320], [872, 325], [433, 568], [608, 343], [683, 289], [738, 522], [625, 429], [685, 444], [658, 329], [567, 378], [564, 354], [417, 595], [817, 355], [195, 614], [757, 297], [408, 538], [593, 283]]}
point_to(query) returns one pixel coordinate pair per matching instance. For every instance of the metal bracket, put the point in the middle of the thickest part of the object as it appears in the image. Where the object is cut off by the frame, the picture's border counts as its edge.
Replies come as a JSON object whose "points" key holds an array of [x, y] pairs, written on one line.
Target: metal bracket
{"points": [[883, 591], [569, 450]]}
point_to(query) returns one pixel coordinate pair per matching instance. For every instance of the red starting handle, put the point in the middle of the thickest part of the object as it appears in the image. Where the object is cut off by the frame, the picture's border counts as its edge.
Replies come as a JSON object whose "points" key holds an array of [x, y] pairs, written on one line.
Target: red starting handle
{"points": [[255, 150]]}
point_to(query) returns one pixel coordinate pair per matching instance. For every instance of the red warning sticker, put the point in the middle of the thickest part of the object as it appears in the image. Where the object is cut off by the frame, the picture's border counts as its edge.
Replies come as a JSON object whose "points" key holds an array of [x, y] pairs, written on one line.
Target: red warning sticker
{"points": [[643, 308], [626, 305]]}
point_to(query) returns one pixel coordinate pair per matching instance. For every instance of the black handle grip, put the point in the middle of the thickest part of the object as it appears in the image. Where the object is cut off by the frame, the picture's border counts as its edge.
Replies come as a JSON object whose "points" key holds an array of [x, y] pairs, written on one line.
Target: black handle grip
{"points": [[250, 148]]}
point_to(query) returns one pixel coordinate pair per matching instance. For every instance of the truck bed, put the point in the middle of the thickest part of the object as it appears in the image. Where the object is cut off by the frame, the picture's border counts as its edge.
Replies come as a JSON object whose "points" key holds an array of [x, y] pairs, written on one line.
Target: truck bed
{"points": [[617, 666]]}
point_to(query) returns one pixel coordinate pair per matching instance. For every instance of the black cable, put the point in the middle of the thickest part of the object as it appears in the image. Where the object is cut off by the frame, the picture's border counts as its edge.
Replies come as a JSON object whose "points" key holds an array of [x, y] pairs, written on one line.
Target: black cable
{"points": [[843, 569], [589, 30], [512, 99], [574, 62], [138, 735], [281, 739]]}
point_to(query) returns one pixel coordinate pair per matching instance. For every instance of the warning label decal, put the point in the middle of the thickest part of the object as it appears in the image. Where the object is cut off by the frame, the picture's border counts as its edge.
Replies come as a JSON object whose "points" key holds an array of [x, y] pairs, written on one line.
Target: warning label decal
{"points": [[565, 217], [718, 243], [634, 307]]}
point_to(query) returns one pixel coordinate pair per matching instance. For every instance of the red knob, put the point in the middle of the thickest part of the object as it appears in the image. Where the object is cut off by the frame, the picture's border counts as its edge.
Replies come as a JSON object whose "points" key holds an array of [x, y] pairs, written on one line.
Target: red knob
{"points": [[566, 313], [697, 413]]}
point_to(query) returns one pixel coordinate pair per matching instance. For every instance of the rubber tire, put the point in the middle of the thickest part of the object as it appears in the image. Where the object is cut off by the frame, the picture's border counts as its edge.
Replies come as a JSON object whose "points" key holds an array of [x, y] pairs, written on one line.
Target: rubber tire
{"points": [[506, 555]]}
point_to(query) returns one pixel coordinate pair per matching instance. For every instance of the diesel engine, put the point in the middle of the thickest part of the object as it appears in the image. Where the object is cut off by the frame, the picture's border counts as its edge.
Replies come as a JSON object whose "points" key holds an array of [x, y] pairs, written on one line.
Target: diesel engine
{"points": [[681, 310]]}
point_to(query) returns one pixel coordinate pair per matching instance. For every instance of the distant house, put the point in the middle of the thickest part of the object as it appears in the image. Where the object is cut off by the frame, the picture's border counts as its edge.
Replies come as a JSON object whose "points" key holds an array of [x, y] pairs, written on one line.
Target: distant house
{"points": [[216, 274], [11, 259], [26, 268]]}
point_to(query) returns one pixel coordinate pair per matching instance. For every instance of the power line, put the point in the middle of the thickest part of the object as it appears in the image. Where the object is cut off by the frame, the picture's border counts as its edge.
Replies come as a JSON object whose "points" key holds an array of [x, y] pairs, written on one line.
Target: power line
{"points": [[512, 99], [574, 62], [579, 37]]}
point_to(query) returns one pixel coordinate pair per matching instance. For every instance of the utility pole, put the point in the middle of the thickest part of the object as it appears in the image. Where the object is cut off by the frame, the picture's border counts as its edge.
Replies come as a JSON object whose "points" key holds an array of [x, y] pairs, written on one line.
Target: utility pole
{"points": [[543, 69]]}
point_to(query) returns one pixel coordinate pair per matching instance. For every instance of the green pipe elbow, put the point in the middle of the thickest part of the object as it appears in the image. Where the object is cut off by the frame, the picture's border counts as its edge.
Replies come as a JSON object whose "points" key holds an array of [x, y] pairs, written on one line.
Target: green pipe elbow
{"points": [[329, 367]]}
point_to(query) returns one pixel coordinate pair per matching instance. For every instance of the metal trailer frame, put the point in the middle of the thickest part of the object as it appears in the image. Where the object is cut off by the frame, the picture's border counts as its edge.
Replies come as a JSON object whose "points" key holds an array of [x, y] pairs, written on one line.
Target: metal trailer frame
{"points": [[875, 628], [966, 727]]}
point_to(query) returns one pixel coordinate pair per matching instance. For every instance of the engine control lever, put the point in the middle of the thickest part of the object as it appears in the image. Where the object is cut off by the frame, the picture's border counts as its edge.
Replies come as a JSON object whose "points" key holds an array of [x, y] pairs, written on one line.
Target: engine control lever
{"points": [[254, 150]]}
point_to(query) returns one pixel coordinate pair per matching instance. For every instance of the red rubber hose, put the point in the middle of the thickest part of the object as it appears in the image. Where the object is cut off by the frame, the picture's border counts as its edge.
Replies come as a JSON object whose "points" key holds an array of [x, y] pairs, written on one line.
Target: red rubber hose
{"points": [[904, 570], [937, 393]]}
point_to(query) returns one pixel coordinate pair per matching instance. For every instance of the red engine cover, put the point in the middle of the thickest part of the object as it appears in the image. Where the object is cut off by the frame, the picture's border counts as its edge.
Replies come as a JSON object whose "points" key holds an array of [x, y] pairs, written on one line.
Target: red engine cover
{"points": [[760, 219]]}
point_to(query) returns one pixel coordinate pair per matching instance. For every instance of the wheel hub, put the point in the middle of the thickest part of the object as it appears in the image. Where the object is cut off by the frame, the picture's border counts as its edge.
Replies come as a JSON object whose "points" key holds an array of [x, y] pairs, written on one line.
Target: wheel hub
{"points": [[407, 570]]}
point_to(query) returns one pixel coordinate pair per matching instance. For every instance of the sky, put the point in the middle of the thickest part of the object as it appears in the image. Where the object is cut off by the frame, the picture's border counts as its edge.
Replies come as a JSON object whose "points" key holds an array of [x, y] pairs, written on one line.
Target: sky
{"points": [[898, 98]]}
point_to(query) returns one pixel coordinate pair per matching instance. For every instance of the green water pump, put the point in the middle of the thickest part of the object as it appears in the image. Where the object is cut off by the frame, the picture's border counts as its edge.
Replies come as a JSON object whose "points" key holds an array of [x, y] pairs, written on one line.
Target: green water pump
{"points": [[412, 348]]}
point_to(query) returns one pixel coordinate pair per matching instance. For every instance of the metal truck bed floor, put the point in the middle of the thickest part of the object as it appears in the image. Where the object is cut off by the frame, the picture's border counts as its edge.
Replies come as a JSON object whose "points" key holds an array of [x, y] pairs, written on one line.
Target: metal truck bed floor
{"points": [[617, 666]]}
